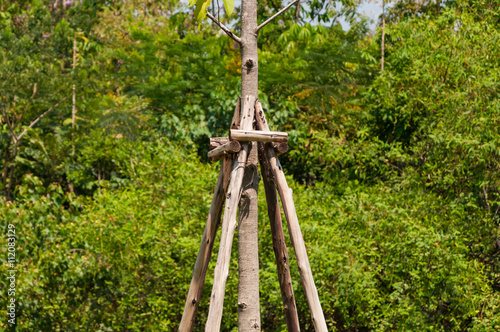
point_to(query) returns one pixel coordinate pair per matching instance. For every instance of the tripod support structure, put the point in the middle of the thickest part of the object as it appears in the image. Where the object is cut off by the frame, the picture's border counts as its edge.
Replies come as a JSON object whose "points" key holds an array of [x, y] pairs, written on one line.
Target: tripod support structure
{"points": [[249, 125]]}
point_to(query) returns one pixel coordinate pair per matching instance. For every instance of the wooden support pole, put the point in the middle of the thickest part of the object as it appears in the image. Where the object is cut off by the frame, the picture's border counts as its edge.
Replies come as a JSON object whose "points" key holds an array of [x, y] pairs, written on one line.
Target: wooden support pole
{"points": [[229, 224], [298, 244], [257, 136], [207, 243], [222, 150], [279, 246], [235, 123]]}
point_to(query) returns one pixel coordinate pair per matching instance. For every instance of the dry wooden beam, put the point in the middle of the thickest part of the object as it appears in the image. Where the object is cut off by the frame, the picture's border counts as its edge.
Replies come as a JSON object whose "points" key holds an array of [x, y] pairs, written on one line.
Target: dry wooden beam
{"points": [[279, 147], [207, 243], [217, 141], [229, 223], [298, 244], [222, 150], [257, 136], [279, 246]]}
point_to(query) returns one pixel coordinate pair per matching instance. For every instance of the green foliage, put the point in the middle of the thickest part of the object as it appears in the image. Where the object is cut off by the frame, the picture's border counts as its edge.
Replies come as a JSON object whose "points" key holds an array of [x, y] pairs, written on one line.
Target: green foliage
{"points": [[201, 8], [383, 258]]}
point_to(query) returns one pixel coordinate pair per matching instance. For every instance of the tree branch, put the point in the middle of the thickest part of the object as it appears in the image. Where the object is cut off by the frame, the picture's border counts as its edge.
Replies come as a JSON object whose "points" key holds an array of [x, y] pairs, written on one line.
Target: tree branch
{"points": [[34, 122], [223, 28], [297, 11], [276, 15], [7, 120]]}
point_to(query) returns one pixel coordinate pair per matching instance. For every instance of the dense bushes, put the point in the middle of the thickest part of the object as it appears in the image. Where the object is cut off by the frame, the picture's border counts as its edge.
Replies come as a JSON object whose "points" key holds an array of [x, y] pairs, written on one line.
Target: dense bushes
{"points": [[383, 259]]}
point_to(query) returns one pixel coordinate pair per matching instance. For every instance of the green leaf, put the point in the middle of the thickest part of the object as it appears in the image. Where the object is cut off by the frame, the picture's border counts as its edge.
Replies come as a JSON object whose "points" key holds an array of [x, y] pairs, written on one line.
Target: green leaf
{"points": [[201, 9], [229, 5]]}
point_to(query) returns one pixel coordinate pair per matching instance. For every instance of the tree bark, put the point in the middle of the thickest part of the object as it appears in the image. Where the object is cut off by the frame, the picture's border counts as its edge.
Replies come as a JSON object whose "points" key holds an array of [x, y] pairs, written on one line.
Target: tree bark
{"points": [[249, 50], [248, 248]]}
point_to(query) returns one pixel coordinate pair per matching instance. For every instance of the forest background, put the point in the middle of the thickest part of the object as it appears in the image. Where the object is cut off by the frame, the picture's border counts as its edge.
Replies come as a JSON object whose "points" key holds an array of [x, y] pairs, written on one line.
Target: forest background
{"points": [[396, 173]]}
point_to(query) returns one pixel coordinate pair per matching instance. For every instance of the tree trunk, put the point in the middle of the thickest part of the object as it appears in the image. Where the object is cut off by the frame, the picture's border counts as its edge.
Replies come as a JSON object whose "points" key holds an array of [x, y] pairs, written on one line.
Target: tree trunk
{"points": [[248, 248], [6, 164], [383, 37], [73, 106], [249, 54], [248, 291], [11, 173]]}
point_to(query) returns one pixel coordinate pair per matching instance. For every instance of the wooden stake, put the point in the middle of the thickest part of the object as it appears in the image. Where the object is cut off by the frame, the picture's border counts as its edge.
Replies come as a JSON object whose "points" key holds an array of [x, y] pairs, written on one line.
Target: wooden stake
{"points": [[229, 224], [293, 227], [235, 123], [207, 241], [280, 251]]}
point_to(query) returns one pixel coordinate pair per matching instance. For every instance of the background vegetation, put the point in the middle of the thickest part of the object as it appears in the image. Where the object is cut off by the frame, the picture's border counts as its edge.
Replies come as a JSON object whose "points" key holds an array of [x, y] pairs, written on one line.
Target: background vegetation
{"points": [[396, 173]]}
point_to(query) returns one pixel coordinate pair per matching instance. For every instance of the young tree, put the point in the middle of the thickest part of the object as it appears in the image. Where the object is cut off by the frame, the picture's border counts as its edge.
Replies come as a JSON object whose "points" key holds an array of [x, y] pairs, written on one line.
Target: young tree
{"points": [[248, 292]]}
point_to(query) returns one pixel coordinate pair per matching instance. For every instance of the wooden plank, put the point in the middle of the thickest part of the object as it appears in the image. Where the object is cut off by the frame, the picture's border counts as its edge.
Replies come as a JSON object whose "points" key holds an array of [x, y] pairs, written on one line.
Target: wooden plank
{"points": [[207, 243], [279, 246], [229, 224], [298, 244], [222, 150], [257, 136]]}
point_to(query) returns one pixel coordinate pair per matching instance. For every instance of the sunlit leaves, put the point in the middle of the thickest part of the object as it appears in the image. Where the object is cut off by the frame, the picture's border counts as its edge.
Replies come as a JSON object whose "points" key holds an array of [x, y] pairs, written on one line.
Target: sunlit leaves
{"points": [[200, 11], [229, 5]]}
